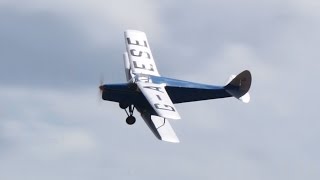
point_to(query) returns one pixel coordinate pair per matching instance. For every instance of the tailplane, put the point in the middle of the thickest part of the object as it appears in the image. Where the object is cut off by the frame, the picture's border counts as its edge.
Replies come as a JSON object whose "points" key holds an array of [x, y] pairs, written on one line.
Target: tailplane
{"points": [[238, 86]]}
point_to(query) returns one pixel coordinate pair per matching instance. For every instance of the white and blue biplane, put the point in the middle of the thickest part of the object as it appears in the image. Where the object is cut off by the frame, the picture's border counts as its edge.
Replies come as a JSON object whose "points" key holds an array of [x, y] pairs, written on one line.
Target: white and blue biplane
{"points": [[154, 96]]}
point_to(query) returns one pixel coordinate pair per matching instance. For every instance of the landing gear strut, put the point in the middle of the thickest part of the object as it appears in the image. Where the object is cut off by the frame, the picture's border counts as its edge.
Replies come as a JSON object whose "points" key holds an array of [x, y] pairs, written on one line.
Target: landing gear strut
{"points": [[130, 119]]}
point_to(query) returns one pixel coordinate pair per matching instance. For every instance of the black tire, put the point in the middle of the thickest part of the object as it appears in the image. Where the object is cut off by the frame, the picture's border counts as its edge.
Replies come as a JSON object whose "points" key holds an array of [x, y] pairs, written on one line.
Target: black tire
{"points": [[130, 120]]}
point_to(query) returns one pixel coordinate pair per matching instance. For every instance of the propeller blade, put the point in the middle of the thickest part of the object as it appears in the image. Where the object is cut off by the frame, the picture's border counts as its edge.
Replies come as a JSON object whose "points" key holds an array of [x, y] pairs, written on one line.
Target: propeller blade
{"points": [[101, 82]]}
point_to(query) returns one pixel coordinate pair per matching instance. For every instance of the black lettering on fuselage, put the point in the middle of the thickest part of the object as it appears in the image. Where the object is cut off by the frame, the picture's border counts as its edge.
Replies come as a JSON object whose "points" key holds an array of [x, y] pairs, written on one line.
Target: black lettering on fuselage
{"points": [[142, 66], [154, 88], [146, 54], [164, 107], [137, 43], [159, 97], [139, 53]]}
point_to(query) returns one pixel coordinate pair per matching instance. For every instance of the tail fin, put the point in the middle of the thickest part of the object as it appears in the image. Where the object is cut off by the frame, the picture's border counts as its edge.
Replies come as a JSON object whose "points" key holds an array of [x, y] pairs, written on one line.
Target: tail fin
{"points": [[238, 86]]}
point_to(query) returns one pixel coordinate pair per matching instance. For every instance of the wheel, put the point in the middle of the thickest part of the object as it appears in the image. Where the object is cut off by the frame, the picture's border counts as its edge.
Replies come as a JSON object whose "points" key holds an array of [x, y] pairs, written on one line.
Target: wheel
{"points": [[130, 120]]}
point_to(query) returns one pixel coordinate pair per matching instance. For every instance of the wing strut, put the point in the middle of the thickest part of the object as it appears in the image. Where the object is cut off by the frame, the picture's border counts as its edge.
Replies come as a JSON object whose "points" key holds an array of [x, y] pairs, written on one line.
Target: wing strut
{"points": [[160, 127]]}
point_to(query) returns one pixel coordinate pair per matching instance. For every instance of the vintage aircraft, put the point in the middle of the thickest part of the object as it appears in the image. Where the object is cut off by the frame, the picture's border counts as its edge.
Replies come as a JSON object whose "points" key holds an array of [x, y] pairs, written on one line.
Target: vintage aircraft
{"points": [[153, 96]]}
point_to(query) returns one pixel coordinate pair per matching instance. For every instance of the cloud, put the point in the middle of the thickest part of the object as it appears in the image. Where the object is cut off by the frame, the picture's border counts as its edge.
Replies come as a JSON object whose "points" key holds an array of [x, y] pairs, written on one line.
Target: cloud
{"points": [[305, 8], [95, 18], [53, 53], [69, 43]]}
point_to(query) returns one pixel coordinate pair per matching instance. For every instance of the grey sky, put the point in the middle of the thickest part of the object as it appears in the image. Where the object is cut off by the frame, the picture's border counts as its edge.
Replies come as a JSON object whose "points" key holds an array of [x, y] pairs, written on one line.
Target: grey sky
{"points": [[53, 53]]}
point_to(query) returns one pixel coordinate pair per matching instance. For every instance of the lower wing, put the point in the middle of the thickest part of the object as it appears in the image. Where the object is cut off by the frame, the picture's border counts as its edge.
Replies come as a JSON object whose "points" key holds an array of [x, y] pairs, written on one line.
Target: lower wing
{"points": [[158, 99], [160, 127]]}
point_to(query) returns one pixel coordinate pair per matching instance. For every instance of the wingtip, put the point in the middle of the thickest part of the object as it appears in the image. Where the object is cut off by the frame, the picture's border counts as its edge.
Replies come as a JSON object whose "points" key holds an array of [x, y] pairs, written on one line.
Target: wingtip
{"points": [[132, 31], [171, 140]]}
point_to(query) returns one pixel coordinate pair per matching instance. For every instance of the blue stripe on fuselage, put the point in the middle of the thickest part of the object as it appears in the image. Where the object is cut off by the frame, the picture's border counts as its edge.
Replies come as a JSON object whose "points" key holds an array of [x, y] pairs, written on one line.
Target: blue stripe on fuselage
{"points": [[184, 91], [179, 91], [180, 83]]}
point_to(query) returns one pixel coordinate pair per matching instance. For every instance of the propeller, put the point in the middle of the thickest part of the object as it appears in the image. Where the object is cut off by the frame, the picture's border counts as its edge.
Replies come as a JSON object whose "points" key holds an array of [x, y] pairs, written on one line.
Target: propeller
{"points": [[101, 82]]}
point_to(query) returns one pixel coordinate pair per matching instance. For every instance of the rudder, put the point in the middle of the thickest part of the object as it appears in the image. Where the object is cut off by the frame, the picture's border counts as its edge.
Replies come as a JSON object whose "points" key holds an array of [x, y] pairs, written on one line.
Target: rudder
{"points": [[239, 86]]}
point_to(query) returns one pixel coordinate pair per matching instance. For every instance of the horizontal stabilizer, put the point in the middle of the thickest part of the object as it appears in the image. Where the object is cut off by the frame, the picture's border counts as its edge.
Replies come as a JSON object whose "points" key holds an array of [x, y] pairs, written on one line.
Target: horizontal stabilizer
{"points": [[238, 86]]}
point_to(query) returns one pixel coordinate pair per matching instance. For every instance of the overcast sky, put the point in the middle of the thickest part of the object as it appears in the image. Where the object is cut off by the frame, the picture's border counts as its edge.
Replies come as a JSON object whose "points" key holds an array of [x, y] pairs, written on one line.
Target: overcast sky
{"points": [[53, 53]]}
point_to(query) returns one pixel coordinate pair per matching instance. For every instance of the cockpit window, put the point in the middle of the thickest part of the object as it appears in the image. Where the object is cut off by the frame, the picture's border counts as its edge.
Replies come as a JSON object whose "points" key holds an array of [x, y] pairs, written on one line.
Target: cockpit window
{"points": [[142, 78]]}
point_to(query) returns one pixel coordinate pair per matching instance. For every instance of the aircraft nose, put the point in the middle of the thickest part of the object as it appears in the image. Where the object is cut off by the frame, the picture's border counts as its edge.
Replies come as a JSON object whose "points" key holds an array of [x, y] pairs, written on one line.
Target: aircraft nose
{"points": [[102, 88]]}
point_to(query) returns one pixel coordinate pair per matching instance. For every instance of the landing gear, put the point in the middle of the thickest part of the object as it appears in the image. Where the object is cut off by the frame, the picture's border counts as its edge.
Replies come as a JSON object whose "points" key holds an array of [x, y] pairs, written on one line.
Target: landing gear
{"points": [[130, 119]]}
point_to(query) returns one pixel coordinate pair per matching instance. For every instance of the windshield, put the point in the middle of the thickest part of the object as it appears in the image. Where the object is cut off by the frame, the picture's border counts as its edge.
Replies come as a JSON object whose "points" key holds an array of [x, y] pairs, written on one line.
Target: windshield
{"points": [[142, 78]]}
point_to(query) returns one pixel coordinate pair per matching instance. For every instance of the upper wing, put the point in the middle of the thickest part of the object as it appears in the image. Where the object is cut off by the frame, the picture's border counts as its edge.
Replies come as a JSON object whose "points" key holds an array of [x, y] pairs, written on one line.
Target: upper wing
{"points": [[139, 53], [158, 99]]}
